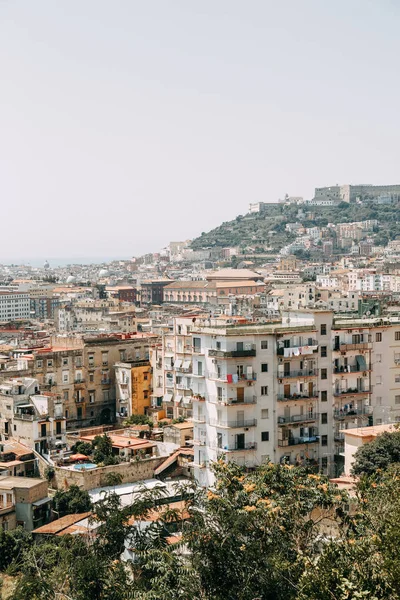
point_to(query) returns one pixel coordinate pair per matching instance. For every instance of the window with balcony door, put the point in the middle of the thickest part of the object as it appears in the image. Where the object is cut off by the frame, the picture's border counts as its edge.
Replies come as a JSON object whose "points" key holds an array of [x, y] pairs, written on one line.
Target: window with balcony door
{"points": [[58, 427], [43, 430], [65, 394]]}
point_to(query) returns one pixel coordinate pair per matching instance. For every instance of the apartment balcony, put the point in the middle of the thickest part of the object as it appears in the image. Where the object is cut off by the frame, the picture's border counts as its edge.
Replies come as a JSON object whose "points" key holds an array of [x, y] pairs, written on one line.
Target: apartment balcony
{"points": [[342, 414], [297, 441], [106, 381], [199, 419], [196, 350], [249, 351], [234, 378], [79, 400], [198, 398], [236, 447], [296, 397], [351, 369], [234, 424], [168, 367], [78, 381], [339, 437], [24, 417], [298, 419], [296, 351], [184, 386], [232, 401], [299, 373], [342, 347], [201, 442], [351, 392]]}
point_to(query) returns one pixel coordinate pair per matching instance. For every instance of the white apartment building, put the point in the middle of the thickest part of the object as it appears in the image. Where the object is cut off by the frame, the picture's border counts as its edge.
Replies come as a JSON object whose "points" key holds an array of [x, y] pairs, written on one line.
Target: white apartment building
{"points": [[14, 306], [285, 392], [180, 381]]}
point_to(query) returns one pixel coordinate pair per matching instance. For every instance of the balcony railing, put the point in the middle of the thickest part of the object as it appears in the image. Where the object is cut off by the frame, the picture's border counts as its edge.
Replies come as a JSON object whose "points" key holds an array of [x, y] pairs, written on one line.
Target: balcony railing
{"points": [[233, 378], [234, 424], [236, 447], [300, 373], [105, 381], [353, 412], [350, 369], [196, 350], [351, 392], [199, 419], [342, 347], [294, 419], [79, 381], [296, 441], [232, 401], [242, 353], [303, 349], [287, 398], [24, 417]]}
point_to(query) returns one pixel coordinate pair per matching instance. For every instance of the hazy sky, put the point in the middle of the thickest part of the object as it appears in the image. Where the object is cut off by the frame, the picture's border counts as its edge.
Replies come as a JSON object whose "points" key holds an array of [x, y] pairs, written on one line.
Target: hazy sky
{"points": [[125, 124]]}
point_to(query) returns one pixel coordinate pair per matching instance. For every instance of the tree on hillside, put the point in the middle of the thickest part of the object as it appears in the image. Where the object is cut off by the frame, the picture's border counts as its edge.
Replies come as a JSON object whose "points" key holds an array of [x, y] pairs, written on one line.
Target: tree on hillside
{"points": [[72, 501], [82, 448], [378, 454]]}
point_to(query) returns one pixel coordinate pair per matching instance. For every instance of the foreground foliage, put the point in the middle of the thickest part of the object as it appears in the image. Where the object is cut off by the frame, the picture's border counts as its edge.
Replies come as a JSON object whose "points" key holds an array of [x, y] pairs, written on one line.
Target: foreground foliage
{"points": [[278, 533]]}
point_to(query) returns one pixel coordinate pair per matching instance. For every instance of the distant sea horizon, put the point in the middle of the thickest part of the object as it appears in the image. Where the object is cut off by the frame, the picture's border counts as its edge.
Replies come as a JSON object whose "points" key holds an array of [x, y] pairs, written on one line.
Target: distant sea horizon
{"points": [[60, 261]]}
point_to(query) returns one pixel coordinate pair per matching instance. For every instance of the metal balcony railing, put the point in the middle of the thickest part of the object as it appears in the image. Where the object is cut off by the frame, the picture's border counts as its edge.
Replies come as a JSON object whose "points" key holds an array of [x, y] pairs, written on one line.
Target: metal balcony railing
{"points": [[304, 348], [351, 392], [232, 401], [351, 412], [242, 353], [295, 419], [286, 398], [343, 347], [234, 424], [299, 373], [236, 447], [233, 378], [296, 441]]}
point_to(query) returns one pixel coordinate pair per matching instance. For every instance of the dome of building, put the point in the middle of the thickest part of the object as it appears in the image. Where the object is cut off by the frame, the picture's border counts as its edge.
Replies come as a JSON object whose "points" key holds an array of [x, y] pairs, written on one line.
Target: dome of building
{"points": [[71, 279], [103, 273]]}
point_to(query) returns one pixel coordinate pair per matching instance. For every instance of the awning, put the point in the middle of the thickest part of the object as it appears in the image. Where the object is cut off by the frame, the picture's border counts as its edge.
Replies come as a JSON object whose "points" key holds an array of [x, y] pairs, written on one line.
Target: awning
{"points": [[167, 398], [177, 399], [42, 501], [187, 400], [361, 364], [178, 363], [186, 364]]}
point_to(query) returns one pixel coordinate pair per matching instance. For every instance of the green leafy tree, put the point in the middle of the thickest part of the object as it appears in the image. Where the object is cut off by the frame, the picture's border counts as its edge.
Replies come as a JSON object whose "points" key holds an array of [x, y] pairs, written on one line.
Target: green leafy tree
{"points": [[82, 448], [72, 501], [383, 451], [139, 420]]}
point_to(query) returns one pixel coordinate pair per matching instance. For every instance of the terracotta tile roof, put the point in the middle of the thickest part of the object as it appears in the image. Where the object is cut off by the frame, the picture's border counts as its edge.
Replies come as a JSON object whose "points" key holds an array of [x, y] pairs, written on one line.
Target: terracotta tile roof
{"points": [[61, 524]]}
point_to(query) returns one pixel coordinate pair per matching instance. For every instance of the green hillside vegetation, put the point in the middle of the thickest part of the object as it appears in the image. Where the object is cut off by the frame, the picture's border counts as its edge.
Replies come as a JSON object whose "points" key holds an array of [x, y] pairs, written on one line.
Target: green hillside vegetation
{"points": [[268, 230]]}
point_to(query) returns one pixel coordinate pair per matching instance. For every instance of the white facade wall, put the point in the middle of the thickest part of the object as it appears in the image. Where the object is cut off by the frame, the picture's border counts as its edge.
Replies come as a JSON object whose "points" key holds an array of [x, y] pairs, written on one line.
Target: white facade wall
{"points": [[14, 306]]}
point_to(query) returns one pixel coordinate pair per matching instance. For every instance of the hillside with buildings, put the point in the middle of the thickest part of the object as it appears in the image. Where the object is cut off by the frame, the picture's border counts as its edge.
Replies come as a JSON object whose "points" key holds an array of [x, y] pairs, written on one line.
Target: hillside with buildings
{"points": [[267, 227]]}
